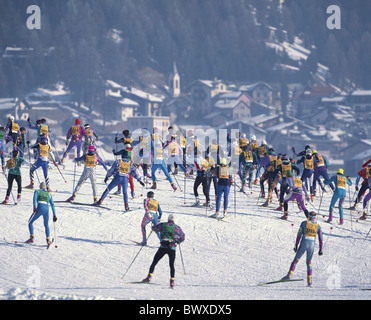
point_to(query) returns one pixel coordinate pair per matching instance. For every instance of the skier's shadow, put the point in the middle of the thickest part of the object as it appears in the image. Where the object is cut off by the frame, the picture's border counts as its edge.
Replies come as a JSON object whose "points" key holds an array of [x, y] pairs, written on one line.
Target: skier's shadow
{"points": [[90, 240]]}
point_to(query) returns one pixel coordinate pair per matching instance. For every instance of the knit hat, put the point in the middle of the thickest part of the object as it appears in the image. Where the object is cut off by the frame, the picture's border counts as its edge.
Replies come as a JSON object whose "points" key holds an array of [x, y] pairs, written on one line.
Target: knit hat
{"points": [[91, 148], [77, 121], [170, 217]]}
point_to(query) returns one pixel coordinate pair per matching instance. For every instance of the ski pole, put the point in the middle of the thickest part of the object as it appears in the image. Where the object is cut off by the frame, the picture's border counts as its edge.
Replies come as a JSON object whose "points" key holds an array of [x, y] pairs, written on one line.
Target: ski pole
{"points": [[135, 257], [55, 235], [320, 203], [181, 257], [74, 173], [367, 235], [350, 212]]}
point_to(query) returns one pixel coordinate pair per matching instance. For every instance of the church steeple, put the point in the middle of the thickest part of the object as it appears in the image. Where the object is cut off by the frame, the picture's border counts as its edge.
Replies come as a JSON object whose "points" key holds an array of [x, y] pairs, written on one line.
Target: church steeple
{"points": [[174, 82]]}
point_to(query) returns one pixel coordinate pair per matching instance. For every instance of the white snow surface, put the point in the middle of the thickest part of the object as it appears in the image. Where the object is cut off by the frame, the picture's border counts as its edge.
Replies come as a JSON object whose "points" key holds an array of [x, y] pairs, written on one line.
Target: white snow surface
{"points": [[222, 260]]}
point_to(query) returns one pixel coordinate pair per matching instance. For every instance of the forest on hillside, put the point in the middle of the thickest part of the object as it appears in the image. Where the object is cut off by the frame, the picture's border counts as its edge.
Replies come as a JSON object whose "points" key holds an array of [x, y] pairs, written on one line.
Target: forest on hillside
{"points": [[85, 42]]}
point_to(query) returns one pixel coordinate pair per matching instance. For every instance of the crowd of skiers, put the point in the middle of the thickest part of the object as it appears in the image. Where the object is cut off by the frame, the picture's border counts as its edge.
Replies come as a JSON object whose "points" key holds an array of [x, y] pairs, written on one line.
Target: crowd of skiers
{"points": [[242, 162]]}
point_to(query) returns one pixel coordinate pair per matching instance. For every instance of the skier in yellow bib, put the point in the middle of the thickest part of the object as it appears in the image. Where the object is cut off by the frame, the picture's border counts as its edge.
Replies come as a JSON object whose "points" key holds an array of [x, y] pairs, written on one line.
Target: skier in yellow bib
{"points": [[340, 192], [307, 233]]}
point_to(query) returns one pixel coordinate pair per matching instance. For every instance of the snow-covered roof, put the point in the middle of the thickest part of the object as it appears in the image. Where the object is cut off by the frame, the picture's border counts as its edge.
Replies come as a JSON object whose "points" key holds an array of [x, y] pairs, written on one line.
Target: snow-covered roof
{"points": [[227, 104], [7, 103], [361, 93]]}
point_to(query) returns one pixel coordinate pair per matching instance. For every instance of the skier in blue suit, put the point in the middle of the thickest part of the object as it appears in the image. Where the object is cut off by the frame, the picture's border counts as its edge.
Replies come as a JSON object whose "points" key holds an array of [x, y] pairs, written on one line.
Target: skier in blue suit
{"points": [[340, 192]]}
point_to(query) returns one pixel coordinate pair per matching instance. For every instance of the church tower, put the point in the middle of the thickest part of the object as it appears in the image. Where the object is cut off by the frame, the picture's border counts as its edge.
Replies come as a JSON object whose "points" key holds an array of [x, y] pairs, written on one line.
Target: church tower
{"points": [[174, 82]]}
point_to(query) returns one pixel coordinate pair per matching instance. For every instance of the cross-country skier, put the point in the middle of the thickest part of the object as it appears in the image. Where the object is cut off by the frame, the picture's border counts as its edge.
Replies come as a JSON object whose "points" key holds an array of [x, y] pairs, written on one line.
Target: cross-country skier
{"points": [[267, 162], [214, 151], [76, 132], [3, 138], [307, 234], [91, 139], [340, 192], [295, 188], [43, 151], [202, 167], [320, 170], [171, 235], [152, 213], [127, 148], [158, 162], [13, 132], [308, 162], [365, 202], [280, 172], [90, 159], [223, 189], [174, 154], [41, 200], [248, 161], [14, 166], [365, 174], [120, 170]]}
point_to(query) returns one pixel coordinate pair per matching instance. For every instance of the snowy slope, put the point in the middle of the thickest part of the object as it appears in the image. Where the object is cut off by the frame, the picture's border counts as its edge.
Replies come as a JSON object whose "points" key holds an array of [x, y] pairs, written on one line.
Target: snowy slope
{"points": [[222, 260]]}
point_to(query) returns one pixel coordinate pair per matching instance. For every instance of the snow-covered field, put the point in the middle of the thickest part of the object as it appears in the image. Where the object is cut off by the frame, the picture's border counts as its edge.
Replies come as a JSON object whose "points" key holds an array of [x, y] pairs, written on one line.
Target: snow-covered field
{"points": [[222, 260]]}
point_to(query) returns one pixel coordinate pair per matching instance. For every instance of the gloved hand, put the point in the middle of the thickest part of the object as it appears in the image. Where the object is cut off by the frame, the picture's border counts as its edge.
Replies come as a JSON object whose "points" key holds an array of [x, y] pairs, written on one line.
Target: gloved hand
{"points": [[295, 249], [320, 253], [141, 183], [105, 179], [357, 188], [55, 219]]}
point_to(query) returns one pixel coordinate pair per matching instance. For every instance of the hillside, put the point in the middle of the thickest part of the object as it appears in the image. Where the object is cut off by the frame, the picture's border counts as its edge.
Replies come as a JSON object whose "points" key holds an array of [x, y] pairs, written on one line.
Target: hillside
{"points": [[83, 43]]}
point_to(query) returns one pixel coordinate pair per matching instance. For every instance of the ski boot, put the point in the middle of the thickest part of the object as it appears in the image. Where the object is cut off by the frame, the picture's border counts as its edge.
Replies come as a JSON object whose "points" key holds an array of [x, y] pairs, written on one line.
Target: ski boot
{"points": [[207, 204], [312, 197], [6, 200], [118, 191], [329, 220], [172, 283], [288, 276], [285, 215], [215, 215], [341, 221], [48, 241], [95, 199], [127, 207], [309, 280], [262, 194], [31, 240], [256, 181], [70, 199], [154, 185], [30, 186], [197, 203], [19, 197], [364, 216], [148, 278], [174, 186], [99, 202], [280, 208], [353, 207], [132, 193]]}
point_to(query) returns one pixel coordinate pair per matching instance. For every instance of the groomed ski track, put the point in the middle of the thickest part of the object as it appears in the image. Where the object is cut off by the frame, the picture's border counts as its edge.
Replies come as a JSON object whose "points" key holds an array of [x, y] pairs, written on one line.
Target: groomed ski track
{"points": [[222, 261]]}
